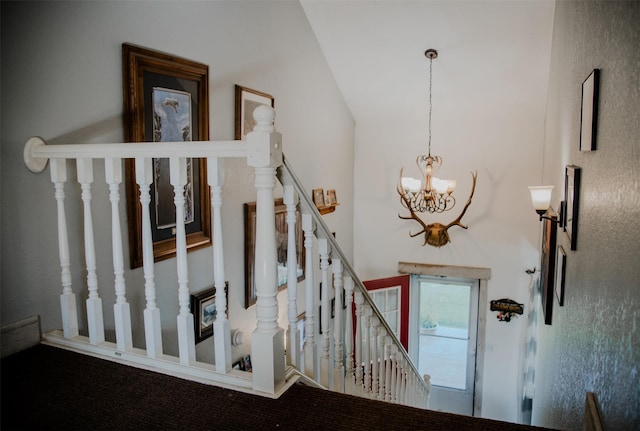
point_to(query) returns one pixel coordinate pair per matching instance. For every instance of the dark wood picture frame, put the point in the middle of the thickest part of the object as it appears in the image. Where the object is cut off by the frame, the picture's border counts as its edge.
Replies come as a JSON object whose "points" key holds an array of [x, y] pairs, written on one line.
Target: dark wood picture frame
{"points": [[561, 261], [572, 199], [547, 264], [589, 111], [246, 101], [203, 308], [144, 72], [281, 244]]}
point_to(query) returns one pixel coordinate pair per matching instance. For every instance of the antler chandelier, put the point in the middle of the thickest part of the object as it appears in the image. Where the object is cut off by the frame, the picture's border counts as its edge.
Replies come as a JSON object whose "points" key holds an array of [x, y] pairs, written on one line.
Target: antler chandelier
{"points": [[430, 194]]}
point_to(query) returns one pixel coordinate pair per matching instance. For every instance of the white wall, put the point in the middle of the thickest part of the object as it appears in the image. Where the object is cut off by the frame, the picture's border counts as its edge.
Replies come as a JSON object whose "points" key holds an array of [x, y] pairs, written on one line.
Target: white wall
{"points": [[593, 343], [62, 80], [492, 121]]}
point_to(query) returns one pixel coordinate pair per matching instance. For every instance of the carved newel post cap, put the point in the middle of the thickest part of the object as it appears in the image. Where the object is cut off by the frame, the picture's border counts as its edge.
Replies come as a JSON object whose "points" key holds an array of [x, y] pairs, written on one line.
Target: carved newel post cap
{"points": [[264, 116]]}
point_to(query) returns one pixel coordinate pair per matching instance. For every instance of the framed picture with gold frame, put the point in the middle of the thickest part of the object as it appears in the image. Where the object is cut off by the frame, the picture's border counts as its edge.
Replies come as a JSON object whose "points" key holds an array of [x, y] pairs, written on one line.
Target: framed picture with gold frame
{"points": [[166, 99], [247, 100]]}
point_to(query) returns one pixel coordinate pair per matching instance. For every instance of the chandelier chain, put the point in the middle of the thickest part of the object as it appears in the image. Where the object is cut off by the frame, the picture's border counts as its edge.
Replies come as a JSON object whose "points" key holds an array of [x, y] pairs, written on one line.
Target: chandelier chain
{"points": [[430, 104]]}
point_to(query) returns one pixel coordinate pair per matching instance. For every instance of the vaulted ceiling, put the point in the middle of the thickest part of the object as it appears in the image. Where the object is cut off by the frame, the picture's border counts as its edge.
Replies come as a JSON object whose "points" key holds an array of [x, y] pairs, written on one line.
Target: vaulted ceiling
{"points": [[375, 49]]}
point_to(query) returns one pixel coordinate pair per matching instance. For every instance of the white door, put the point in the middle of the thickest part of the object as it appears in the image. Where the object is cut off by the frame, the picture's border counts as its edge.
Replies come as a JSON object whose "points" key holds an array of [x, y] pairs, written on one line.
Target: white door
{"points": [[443, 328]]}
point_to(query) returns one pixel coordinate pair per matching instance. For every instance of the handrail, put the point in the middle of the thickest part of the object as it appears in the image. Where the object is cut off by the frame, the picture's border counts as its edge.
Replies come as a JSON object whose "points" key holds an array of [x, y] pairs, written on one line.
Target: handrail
{"points": [[285, 169]]}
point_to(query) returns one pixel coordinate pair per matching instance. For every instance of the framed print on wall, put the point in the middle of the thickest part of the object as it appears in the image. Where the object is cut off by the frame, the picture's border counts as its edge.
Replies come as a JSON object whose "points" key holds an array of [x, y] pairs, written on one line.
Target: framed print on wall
{"points": [[561, 261], [589, 111], [547, 264], [166, 99], [572, 199], [281, 248], [247, 100], [203, 308]]}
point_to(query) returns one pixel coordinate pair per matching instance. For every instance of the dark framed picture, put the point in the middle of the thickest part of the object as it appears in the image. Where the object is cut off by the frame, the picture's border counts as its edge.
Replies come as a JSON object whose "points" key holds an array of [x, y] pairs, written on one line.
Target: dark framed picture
{"points": [[318, 198], [589, 111], [203, 308], [281, 246], [166, 99], [547, 264], [572, 199], [561, 260], [247, 100]]}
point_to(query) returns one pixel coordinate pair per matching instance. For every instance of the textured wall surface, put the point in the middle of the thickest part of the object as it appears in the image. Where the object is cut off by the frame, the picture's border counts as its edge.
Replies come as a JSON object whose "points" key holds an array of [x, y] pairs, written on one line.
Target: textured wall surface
{"points": [[593, 343]]}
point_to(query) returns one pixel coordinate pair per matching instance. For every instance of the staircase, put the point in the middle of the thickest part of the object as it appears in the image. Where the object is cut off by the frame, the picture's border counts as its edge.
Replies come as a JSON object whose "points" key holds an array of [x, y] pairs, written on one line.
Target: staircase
{"points": [[349, 348]]}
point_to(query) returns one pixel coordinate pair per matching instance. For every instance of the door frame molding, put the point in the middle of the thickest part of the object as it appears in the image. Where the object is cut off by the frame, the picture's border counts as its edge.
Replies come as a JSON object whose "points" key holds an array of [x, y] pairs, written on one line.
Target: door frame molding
{"points": [[481, 274]]}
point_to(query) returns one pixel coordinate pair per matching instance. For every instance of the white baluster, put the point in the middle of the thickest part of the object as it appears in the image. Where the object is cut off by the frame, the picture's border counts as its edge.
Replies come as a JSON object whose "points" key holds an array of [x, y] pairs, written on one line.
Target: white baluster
{"points": [[375, 357], [310, 345], [95, 320], [400, 381], [359, 299], [323, 250], [348, 331], [293, 338], [382, 336], [186, 337], [221, 326], [67, 298], [121, 309], [387, 378], [394, 373], [338, 366], [366, 391], [427, 381], [265, 154], [152, 326]]}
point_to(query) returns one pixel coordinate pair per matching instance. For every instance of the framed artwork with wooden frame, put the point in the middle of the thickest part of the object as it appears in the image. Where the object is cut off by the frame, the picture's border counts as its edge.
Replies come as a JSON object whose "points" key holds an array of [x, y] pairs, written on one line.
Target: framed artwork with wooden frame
{"points": [[572, 199], [247, 100], [561, 261], [166, 99], [281, 248], [203, 308], [547, 264], [589, 111]]}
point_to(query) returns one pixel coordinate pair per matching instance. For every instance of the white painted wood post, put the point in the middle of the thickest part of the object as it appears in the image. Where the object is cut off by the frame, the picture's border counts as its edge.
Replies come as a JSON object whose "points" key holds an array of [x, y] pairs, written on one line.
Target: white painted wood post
{"points": [[293, 338], [152, 326], [359, 299], [186, 337], [348, 334], [67, 298], [366, 392], [221, 326], [95, 320], [375, 322], [323, 250], [394, 373], [310, 345], [267, 348], [121, 309], [338, 351], [387, 378]]}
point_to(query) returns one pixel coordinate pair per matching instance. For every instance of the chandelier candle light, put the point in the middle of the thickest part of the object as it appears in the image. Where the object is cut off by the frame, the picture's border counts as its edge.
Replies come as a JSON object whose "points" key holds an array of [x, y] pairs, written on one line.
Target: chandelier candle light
{"points": [[430, 194]]}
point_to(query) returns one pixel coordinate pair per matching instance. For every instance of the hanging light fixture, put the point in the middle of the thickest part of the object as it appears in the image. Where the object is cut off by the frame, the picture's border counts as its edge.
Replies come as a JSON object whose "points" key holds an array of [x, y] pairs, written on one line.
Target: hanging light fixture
{"points": [[429, 193]]}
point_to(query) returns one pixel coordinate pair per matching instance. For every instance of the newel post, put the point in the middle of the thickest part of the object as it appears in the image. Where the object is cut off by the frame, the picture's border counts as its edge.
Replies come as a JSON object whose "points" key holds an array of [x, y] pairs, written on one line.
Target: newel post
{"points": [[267, 345]]}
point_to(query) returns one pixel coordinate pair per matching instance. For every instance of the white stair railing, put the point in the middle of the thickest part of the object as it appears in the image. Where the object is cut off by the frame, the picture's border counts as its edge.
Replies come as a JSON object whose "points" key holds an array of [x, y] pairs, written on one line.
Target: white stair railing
{"points": [[359, 353], [348, 346]]}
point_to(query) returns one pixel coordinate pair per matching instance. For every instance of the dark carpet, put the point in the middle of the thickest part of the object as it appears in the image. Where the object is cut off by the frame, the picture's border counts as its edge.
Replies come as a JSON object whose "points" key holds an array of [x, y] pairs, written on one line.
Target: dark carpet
{"points": [[47, 388]]}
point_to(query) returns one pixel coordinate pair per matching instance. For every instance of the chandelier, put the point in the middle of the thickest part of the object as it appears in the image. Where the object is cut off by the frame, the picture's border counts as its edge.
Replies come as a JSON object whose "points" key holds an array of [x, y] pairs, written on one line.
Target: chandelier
{"points": [[430, 194]]}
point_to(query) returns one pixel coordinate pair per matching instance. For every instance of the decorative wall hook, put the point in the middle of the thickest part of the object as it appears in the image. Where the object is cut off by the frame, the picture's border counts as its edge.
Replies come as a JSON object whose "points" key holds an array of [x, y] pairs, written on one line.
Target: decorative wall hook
{"points": [[506, 308]]}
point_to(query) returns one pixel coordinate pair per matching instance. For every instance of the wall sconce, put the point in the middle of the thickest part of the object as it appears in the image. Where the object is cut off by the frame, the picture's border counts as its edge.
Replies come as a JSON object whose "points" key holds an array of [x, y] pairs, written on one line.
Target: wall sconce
{"points": [[541, 200]]}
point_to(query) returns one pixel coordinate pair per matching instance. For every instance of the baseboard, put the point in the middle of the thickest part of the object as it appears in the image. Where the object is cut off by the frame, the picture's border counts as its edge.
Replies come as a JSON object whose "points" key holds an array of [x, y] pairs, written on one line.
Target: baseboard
{"points": [[20, 335]]}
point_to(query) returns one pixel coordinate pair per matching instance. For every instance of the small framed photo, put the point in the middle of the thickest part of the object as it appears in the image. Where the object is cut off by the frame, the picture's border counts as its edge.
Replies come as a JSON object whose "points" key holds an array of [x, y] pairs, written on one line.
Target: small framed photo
{"points": [[318, 198], [331, 197], [203, 308], [589, 111], [561, 260], [572, 199], [547, 264], [247, 100]]}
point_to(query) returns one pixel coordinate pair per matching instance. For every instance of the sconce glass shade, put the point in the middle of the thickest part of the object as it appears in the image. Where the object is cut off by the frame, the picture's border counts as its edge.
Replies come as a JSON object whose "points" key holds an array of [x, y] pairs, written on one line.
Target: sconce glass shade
{"points": [[541, 198]]}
